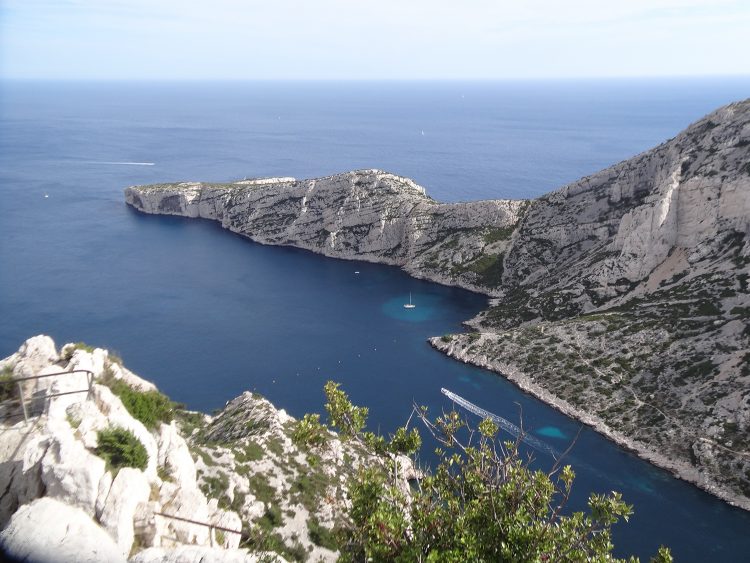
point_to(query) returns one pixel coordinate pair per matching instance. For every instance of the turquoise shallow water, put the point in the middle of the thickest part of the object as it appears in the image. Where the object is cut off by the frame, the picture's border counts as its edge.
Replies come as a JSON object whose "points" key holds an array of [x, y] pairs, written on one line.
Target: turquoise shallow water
{"points": [[207, 314], [551, 432]]}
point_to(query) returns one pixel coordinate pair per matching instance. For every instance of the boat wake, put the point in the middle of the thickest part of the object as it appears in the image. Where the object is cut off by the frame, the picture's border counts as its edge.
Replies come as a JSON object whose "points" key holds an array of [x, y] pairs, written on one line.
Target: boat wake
{"points": [[506, 425], [124, 163]]}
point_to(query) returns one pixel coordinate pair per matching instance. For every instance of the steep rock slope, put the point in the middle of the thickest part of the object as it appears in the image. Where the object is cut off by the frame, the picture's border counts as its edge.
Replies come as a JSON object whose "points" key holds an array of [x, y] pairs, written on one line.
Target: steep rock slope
{"points": [[621, 298], [242, 470]]}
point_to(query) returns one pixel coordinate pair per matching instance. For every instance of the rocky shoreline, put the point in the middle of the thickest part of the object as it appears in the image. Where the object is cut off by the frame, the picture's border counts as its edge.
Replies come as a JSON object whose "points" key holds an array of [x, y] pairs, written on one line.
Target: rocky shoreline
{"points": [[678, 469]]}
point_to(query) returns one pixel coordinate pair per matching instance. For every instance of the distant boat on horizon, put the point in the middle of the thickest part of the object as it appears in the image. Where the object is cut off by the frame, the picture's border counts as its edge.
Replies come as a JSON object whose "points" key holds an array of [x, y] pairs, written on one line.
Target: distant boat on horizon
{"points": [[409, 305]]}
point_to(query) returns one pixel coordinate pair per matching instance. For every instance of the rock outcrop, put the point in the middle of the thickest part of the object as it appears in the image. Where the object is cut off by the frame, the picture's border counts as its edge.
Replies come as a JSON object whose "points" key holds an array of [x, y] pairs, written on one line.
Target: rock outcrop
{"points": [[208, 482], [632, 283], [61, 501], [364, 215]]}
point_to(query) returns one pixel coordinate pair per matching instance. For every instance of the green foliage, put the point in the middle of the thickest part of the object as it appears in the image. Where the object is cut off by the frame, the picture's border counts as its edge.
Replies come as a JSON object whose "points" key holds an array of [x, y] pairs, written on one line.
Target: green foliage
{"points": [[405, 442], [309, 489], [494, 234], [481, 503], [74, 422], [271, 518], [120, 448], [251, 452], [348, 419], [261, 489], [216, 486], [310, 432], [203, 454], [320, 535], [350, 422], [188, 421], [150, 407], [446, 338], [7, 385], [163, 473]]}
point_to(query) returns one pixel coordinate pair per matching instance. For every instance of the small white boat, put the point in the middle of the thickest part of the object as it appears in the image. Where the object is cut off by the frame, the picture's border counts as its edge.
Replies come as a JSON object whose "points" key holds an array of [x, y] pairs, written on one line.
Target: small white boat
{"points": [[409, 305]]}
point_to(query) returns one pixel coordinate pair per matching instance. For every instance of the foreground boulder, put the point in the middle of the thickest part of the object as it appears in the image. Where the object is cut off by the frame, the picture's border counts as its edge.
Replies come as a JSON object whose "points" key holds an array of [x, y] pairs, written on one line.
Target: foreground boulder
{"points": [[50, 530]]}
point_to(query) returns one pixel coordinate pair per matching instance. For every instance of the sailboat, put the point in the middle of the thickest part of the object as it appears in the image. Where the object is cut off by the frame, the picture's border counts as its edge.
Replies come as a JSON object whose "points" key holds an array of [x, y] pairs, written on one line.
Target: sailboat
{"points": [[409, 305]]}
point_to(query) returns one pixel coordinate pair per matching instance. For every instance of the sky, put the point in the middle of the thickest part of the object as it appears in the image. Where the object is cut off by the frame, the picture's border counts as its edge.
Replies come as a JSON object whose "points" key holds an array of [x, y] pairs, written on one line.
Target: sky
{"points": [[371, 39]]}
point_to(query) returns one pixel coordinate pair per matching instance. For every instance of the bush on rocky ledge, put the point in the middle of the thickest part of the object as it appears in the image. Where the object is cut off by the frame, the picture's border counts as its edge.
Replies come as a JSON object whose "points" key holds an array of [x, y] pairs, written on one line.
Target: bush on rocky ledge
{"points": [[120, 448], [150, 407]]}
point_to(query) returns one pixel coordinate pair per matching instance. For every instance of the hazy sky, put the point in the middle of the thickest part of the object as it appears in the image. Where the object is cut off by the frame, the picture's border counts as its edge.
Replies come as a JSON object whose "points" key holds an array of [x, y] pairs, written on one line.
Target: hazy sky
{"points": [[371, 39]]}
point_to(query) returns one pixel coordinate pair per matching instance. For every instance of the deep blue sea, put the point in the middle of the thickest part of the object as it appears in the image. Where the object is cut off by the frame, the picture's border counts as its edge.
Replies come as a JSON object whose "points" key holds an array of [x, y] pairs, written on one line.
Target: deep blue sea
{"points": [[206, 314]]}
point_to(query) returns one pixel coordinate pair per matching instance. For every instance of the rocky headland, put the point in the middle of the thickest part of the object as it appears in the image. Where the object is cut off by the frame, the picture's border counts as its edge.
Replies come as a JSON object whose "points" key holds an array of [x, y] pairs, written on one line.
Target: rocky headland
{"points": [[622, 298], [239, 486]]}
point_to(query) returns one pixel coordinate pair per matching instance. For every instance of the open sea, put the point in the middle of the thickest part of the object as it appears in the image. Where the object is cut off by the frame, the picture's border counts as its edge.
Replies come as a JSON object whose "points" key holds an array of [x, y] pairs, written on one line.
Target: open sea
{"points": [[206, 314]]}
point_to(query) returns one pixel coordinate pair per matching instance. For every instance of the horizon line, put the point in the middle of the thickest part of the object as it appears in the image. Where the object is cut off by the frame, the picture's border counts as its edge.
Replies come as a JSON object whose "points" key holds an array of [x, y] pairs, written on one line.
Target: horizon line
{"points": [[381, 79]]}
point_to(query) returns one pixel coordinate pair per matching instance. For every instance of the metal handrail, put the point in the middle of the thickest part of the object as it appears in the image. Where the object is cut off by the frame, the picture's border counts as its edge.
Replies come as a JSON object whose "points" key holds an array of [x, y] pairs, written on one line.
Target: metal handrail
{"points": [[22, 399], [211, 527], [29, 377]]}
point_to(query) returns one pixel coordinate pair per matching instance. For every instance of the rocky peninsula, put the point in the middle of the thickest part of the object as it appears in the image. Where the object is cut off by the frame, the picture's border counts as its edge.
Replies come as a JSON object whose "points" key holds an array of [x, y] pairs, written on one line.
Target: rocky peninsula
{"points": [[203, 486], [621, 299]]}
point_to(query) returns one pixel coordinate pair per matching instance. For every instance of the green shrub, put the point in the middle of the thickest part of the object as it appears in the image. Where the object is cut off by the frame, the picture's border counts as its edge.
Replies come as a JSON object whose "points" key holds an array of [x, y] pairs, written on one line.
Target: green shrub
{"points": [[120, 448], [73, 421], [251, 452], [7, 386], [217, 486], [310, 432], [271, 518], [320, 535], [481, 503], [150, 407]]}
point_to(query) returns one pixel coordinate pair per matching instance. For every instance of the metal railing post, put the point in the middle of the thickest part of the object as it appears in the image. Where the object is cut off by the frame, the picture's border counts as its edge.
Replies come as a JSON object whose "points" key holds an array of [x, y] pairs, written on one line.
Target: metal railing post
{"points": [[48, 397], [23, 401]]}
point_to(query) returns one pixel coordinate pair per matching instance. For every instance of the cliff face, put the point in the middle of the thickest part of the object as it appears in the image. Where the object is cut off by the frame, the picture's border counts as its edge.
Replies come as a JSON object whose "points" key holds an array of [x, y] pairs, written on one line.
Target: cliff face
{"points": [[239, 471], [622, 298], [365, 215]]}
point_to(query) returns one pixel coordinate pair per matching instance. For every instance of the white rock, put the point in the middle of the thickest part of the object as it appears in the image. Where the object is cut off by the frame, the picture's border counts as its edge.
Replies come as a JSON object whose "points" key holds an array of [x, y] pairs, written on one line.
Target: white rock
{"points": [[174, 455], [129, 489], [226, 519], [188, 503], [20, 470], [138, 383], [70, 472], [34, 354], [48, 530], [74, 385], [91, 361]]}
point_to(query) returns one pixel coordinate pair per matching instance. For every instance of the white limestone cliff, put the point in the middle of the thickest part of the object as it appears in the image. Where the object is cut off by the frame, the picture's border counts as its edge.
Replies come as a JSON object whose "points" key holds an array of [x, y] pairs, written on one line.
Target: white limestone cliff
{"points": [[229, 472], [60, 502]]}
